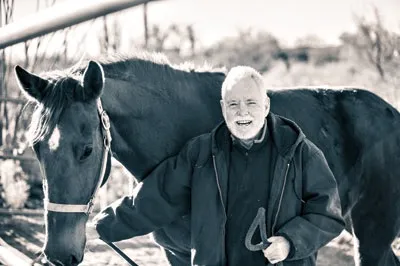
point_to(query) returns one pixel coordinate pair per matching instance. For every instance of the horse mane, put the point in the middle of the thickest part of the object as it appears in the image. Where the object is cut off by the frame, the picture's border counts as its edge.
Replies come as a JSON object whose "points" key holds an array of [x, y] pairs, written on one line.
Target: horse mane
{"points": [[63, 87], [128, 67]]}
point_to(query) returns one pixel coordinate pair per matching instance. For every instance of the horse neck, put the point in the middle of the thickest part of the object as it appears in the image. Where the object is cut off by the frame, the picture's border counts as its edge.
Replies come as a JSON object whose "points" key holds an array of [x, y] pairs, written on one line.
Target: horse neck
{"points": [[149, 124]]}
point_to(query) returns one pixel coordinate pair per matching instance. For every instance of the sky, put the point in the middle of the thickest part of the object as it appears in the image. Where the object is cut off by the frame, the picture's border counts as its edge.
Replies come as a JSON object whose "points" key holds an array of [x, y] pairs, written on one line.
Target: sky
{"points": [[288, 20]]}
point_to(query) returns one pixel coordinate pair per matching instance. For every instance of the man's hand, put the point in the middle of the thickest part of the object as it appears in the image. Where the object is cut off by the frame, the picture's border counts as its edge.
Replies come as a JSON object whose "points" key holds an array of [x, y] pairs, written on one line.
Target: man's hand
{"points": [[91, 232], [278, 250]]}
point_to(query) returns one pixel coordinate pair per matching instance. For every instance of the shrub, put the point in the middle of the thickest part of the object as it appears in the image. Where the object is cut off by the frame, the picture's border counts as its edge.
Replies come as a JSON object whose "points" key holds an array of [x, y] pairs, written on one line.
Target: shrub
{"points": [[14, 183]]}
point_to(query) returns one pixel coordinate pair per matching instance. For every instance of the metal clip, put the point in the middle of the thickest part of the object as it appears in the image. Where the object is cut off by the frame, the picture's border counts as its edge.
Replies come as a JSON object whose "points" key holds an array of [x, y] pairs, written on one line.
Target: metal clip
{"points": [[90, 206]]}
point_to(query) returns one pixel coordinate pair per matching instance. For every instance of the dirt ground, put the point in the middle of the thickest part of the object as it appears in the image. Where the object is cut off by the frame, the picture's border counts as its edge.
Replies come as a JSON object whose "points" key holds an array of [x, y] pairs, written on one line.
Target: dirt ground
{"points": [[26, 233]]}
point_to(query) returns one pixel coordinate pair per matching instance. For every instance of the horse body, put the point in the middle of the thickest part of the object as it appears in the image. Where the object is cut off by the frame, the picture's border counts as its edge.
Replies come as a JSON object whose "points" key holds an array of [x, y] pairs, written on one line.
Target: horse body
{"points": [[154, 109], [141, 136]]}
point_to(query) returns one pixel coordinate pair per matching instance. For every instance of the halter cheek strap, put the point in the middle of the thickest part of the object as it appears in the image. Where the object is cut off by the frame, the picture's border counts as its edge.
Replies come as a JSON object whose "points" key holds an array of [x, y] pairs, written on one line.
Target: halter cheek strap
{"points": [[87, 208]]}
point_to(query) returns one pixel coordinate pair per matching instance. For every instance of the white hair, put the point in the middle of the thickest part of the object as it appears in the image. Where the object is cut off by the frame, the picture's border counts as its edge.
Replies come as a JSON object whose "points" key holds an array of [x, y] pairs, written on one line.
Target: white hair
{"points": [[239, 73]]}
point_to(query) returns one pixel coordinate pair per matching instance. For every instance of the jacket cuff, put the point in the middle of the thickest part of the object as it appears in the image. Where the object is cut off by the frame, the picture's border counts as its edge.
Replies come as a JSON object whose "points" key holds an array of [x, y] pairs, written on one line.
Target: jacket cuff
{"points": [[292, 248], [103, 235]]}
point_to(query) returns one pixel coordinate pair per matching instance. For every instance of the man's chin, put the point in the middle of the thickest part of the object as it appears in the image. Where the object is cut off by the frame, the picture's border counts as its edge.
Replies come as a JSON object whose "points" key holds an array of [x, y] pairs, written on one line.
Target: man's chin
{"points": [[242, 133], [245, 136]]}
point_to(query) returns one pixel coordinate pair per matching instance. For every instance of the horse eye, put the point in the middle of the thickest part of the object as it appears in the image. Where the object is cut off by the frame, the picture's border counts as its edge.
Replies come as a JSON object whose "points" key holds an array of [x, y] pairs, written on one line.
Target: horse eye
{"points": [[86, 152]]}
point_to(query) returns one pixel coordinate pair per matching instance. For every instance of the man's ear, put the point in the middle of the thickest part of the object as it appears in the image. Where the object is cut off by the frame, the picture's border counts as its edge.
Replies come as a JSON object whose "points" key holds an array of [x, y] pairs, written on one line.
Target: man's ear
{"points": [[223, 108], [267, 106]]}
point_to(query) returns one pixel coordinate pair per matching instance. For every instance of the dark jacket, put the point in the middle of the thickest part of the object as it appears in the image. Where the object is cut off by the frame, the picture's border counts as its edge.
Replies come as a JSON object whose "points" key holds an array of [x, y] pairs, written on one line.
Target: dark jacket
{"points": [[303, 205]]}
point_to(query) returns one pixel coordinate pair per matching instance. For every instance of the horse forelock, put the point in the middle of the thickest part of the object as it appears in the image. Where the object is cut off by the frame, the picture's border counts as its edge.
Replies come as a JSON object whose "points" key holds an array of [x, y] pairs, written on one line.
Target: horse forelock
{"points": [[62, 90]]}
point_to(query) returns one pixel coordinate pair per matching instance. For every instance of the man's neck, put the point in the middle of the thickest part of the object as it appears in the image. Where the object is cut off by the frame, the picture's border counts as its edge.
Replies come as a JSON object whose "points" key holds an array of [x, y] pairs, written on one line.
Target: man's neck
{"points": [[248, 143]]}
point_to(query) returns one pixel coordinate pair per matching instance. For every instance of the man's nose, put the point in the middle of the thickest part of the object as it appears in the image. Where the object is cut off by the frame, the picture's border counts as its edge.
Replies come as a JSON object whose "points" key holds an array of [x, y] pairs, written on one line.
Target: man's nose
{"points": [[243, 110]]}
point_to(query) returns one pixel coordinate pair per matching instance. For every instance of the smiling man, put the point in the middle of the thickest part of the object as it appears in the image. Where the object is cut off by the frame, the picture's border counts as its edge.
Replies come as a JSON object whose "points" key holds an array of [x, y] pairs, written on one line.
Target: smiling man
{"points": [[245, 104], [253, 160]]}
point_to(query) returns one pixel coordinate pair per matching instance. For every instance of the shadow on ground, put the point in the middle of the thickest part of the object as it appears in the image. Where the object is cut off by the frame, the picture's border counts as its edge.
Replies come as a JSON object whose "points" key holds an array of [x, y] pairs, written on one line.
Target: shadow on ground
{"points": [[26, 233]]}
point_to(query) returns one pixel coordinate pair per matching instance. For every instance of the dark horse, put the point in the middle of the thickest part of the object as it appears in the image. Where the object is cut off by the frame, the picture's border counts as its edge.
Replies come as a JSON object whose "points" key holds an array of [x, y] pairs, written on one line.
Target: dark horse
{"points": [[154, 108]]}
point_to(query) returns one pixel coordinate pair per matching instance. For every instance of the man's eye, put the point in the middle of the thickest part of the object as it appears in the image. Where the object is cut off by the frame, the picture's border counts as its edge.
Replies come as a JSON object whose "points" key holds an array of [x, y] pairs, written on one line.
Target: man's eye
{"points": [[233, 104], [251, 103]]}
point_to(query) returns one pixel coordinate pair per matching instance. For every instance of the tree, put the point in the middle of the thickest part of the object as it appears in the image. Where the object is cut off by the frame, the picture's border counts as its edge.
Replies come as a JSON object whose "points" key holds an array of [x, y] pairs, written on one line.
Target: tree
{"points": [[192, 39], [6, 14], [373, 42], [311, 40], [110, 41], [256, 49]]}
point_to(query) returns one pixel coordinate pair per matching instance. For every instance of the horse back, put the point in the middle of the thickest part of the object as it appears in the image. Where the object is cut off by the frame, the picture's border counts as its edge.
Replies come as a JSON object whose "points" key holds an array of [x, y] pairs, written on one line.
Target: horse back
{"points": [[353, 127]]}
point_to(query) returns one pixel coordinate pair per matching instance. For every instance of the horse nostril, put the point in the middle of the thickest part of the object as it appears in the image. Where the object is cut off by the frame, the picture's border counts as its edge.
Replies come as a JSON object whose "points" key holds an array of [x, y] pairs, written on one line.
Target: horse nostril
{"points": [[70, 261], [74, 260]]}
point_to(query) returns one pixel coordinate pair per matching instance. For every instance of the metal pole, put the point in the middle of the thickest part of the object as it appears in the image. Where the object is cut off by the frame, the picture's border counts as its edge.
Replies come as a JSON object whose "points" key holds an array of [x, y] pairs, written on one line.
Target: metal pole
{"points": [[61, 16], [146, 30]]}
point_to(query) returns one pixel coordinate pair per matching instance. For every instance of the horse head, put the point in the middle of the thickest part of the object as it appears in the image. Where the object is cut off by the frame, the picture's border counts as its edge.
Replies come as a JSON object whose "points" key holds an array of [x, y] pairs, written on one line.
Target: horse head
{"points": [[67, 137]]}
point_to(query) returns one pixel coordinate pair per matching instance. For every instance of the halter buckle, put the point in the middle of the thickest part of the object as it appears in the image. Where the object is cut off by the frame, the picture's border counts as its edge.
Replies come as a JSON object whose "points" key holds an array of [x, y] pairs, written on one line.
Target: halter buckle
{"points": [[90, 206], [105, 120]]}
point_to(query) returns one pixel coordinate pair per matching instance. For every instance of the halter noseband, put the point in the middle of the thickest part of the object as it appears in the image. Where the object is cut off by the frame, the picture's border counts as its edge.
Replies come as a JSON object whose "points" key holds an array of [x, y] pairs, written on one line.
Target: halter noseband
{"points": [[87, 209]]}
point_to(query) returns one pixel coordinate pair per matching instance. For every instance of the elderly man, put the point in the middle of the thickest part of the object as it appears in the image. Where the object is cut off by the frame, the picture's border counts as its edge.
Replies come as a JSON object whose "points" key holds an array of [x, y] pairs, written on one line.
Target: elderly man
{"points": [[253, 160]]}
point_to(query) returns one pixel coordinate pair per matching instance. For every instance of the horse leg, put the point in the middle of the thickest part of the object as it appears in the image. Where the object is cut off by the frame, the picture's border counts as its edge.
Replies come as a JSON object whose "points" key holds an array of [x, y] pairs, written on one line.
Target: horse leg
{"points": [[175, 240], [176, 258], [174, 255], [376, 223]]}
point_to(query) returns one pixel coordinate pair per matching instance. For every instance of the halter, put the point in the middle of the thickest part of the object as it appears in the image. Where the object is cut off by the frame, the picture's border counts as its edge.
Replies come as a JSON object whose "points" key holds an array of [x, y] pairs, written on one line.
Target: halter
{"points": [[87, 209]]}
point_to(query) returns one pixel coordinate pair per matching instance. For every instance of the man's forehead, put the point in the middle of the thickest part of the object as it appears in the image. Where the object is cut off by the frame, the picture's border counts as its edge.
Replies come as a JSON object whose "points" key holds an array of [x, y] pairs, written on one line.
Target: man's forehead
{"points": [[245, 81], [242, 86]]}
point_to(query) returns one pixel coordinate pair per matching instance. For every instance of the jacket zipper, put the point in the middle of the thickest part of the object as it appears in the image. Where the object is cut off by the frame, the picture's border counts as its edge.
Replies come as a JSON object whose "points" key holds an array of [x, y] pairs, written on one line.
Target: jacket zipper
{"points": [[222, 202], [280, 200], [279, 206]]}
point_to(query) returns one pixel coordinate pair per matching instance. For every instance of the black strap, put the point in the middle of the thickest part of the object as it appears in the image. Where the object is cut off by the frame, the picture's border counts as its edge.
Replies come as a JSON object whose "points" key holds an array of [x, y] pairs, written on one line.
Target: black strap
{"points": [[121, 253]]}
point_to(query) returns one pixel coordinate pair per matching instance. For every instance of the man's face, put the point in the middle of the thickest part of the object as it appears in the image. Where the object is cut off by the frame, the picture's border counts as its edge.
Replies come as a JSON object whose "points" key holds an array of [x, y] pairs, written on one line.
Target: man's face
{"points": [[244, 108]]}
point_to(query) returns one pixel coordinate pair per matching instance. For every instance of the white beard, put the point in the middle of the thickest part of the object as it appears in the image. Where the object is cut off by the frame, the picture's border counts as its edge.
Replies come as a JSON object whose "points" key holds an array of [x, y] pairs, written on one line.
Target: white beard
{"points": [[246, 132]]}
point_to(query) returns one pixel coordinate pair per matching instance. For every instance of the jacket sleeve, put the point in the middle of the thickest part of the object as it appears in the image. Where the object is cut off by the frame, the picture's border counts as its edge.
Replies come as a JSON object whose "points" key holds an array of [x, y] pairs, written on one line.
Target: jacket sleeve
{"points": [[163, 196], [321, 218]]}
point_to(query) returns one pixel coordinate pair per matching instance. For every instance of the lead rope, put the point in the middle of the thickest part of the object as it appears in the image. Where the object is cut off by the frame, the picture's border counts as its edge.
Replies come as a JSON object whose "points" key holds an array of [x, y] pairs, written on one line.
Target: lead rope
{"points": [[259, 221], [120, 253]]}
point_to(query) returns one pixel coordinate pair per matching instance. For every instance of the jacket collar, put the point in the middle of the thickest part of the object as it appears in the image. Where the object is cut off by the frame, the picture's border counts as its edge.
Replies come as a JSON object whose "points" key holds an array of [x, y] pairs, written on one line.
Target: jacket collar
{"points": [[286, 135], [259, 138]]}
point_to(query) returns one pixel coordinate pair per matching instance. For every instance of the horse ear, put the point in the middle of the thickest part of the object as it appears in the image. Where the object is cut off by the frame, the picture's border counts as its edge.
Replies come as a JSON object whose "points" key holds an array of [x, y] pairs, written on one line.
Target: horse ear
{"points": [[33, 86], [93, 80]]}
